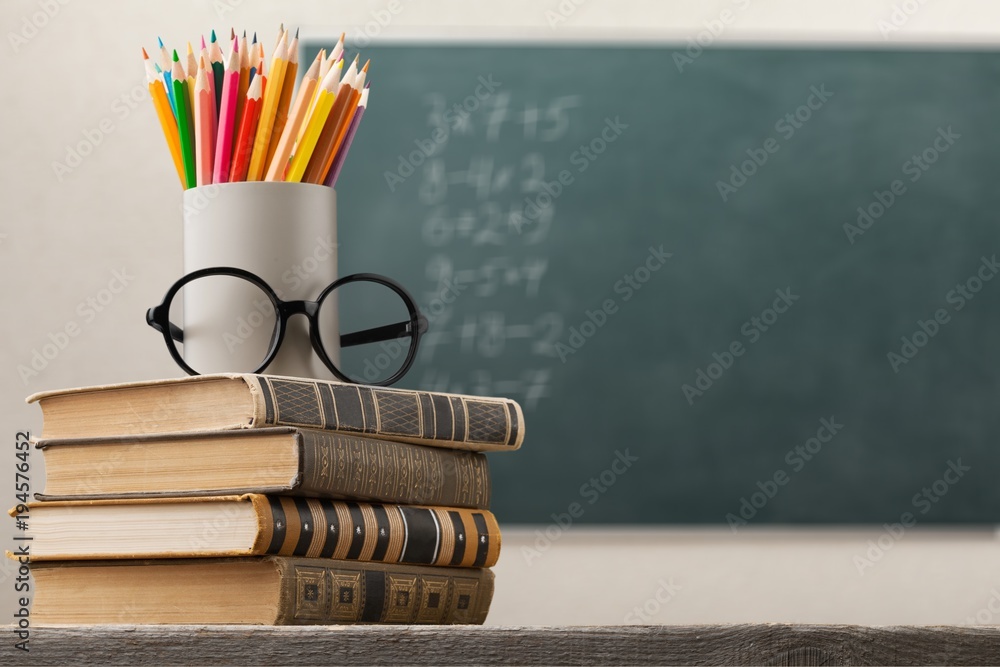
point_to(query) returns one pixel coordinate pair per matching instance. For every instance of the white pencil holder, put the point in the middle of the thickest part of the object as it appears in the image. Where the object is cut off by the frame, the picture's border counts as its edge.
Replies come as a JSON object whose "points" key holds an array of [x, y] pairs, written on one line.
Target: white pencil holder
{"points": [[285, 233]]}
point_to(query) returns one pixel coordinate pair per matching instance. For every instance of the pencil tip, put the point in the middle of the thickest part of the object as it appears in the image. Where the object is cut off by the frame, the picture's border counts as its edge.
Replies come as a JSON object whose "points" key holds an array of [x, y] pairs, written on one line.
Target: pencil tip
{"points": [[255, 38], [190, 50], [176, 57], [342, 36], [232, 33], [160, 40], [296, 33], [203, 41], [365, 68], [214, 38], [236, 45], [145, 56]]}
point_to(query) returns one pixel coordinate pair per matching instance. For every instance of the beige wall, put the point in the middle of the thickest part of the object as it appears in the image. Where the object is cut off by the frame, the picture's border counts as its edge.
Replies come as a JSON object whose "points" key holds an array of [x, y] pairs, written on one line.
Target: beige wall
{"points": [[66, 234]]}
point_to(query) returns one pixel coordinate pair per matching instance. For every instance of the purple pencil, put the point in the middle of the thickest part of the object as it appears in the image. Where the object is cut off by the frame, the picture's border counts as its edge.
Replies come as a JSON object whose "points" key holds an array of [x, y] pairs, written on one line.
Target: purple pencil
{"points": [[338, 161]]}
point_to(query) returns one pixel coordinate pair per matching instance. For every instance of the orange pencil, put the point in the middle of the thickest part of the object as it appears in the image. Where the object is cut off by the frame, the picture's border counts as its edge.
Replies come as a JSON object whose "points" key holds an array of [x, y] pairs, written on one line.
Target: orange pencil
{"points": [[345, 120], [284, 99], [283, 150], [272, 95], [248, 129], [204, 134], [323, 154]]}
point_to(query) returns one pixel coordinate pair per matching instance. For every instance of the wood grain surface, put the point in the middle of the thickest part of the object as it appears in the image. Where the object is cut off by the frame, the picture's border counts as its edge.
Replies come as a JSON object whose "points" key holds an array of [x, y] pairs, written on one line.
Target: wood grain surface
{"points": [[766, 644]]}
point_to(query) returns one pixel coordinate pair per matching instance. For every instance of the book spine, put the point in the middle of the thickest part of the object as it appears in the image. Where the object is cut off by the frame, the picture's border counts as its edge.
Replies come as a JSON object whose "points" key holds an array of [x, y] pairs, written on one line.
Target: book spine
{"points": [[346, 466], [421, 417], [320, 528], [373, 593]]}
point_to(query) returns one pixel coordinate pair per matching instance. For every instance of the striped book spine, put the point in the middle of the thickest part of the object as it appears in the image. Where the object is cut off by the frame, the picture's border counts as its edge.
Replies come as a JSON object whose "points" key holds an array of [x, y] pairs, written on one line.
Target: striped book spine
{"points": [[321, 528]]}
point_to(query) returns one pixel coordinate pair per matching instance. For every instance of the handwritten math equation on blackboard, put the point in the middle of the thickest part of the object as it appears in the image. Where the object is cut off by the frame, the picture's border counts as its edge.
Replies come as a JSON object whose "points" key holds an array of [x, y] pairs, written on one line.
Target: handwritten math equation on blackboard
{"points": [[485, 235]]}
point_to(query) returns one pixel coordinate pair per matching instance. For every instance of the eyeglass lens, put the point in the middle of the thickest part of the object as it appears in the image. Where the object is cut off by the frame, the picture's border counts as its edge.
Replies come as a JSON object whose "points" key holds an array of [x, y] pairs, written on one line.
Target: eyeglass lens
{"points": [[230, 325]]}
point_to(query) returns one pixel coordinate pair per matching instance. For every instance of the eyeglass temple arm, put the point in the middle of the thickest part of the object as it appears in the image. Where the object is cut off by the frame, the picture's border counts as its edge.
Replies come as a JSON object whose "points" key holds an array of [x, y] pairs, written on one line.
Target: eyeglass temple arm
{"points": [[387, 332], [175, 331]]}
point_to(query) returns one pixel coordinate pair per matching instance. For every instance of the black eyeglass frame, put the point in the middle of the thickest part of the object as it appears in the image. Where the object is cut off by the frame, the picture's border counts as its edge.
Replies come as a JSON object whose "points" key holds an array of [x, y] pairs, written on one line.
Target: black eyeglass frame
{"points": [[158, 317]]}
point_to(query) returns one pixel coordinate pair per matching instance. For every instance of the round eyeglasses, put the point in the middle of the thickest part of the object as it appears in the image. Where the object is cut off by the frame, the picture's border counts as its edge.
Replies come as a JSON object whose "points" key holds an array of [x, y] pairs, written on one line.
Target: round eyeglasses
{"points": [[225, 319]]}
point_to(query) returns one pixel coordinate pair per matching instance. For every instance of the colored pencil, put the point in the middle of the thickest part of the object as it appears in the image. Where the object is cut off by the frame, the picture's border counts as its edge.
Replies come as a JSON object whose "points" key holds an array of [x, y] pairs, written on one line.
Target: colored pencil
{"points": [[328, 64], [284, 100], [227, 117], [168, 78], [184, 123], [314, 126], [206, 57], [190, 72], [272, 95], [218, 69], [252, 55], [337, 68], [326, 145], [283, 150], [248, 128], [241, 96], [203, 134], [338, 162], [157, 91]]}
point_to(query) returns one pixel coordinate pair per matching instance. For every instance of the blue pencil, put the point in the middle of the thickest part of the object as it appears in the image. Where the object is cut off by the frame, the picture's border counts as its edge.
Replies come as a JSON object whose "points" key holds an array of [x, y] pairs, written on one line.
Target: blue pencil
{"points": [[167, 78]]}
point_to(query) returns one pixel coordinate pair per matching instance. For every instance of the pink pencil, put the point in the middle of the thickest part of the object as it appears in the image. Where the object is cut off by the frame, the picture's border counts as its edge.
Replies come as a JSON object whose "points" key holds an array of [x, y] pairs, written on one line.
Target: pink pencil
{"points": [[227, 116], [204, 138], [338, 161]]}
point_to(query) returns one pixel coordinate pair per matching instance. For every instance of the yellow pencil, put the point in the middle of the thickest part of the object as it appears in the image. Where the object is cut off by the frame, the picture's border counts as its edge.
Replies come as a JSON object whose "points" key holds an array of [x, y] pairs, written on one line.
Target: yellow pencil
{"points": [[285, 100], [192, 73], [314, 126], [324, 69], [272, 95]]}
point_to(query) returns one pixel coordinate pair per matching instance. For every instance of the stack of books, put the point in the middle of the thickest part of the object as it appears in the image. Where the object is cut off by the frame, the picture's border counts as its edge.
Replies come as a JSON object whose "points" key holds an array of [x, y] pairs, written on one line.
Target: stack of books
{"points": [[266, 500]]}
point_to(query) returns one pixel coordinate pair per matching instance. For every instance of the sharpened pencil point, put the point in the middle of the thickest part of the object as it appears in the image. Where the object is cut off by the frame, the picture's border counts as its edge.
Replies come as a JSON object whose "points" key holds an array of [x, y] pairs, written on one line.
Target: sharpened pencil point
{"points": [[177, 58], [190, 50], [296, 33], [365, 68], [342, 36], [145, 56], [255, 38], [203, 42], [232, 33], [214, 38], [158, 39], [236, 45]]}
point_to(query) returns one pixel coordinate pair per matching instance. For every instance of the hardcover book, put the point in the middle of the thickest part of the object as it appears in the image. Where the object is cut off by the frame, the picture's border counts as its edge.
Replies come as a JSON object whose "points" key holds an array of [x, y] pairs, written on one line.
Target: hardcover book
{"points": [[277, 460], [240, 401], [258, 525], [269, 590]]}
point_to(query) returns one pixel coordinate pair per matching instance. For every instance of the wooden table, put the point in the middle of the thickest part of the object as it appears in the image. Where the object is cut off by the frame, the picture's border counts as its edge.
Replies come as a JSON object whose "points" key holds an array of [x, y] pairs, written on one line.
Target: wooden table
{"points": [[768, 644]]}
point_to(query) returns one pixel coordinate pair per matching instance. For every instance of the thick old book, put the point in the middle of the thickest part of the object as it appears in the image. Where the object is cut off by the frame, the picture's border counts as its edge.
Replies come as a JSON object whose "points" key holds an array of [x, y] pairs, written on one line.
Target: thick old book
{"points": [[233, 401], [271, 590], [259, 525], [279, 460]]}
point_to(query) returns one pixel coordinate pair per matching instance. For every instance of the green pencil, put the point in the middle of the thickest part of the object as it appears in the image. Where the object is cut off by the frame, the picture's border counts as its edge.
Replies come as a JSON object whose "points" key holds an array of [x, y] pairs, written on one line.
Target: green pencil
{"points": [[185, 127], [218, 70]]}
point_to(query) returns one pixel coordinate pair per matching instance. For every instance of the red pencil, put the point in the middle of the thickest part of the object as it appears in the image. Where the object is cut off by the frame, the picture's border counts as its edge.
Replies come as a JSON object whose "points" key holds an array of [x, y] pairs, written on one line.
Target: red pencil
{"points": [[248, 131]]}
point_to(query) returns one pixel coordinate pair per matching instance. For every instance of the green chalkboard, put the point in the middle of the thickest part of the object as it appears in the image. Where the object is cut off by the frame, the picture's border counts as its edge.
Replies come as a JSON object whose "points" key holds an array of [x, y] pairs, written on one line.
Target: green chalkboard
{"points": [[698, 320]]}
